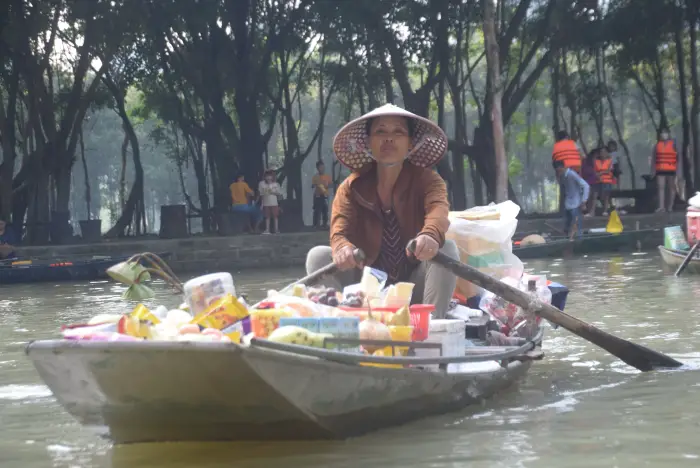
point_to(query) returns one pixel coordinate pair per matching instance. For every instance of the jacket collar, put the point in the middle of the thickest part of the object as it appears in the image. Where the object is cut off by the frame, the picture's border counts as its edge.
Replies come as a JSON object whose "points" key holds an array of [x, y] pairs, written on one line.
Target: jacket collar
{"points": [[363, 186]]}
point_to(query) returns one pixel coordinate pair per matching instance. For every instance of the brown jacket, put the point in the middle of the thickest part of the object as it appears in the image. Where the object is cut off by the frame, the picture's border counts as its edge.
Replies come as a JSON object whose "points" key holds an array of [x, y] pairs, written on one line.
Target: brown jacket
{"points": [[420, 202]]}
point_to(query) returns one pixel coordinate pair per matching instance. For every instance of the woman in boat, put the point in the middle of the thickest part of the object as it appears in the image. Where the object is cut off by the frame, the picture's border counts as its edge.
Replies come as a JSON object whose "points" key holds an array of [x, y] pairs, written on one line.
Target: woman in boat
{"points": [[391, 197]]}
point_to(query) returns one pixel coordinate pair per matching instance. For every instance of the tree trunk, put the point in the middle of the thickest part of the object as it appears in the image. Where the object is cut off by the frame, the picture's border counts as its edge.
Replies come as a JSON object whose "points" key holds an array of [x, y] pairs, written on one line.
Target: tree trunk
{"points": [[619, 130], [680, 60], [495, 91], [133, 213], [555, 95], [693, 10], [88, 196], [122, 173]]}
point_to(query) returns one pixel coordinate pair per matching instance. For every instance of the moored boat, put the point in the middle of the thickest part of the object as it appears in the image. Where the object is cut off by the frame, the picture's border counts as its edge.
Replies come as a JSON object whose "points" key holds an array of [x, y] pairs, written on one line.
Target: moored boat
{"points": [[167, 391], [592, 244], [674, 258], [76, 269]]}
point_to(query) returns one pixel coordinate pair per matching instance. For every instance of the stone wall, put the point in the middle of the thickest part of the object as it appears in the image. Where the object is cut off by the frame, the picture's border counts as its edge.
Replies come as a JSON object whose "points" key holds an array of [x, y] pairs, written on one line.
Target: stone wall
{"points": [[205, 254], [201, 254]]}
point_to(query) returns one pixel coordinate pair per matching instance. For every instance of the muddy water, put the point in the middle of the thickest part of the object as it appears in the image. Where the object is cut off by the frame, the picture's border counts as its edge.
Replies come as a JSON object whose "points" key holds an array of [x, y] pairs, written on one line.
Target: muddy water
{"points": [[578, 408]]}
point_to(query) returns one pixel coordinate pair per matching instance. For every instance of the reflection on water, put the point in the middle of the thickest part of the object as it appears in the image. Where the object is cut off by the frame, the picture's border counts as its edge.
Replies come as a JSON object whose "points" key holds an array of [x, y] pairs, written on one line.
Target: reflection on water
{"points": [[578, 408]]}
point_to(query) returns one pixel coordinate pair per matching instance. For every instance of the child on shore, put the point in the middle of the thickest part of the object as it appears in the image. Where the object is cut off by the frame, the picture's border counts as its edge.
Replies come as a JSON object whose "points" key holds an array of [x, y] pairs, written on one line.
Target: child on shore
{"points": [[576, 192], [270, 191]]}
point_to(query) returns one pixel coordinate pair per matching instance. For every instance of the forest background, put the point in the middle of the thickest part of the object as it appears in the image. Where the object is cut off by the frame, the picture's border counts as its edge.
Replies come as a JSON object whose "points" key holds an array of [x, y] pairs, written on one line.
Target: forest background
{"points": [[111, 108]]}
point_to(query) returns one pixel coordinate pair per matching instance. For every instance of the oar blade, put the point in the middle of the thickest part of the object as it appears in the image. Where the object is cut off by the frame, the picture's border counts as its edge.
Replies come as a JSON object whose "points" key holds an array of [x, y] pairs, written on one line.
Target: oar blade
{"points": [[635, 355]]}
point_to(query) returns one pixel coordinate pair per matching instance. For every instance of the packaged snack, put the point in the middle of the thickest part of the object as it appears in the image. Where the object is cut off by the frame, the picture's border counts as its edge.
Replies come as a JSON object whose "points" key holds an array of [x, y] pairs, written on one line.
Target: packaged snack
{"points": [[265, 321], [222, 313]]}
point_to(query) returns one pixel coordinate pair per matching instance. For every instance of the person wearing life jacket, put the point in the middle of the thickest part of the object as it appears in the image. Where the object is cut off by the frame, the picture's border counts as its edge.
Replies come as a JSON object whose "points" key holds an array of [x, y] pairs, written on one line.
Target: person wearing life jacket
{"points": [[664, 165], [615, 155], [566, 150], [603, 165]]}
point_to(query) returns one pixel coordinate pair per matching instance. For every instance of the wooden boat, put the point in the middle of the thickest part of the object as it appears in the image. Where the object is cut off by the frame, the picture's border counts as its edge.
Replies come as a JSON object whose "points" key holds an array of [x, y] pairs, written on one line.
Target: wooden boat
{"points": [[79, 269], [176, 391], [592, 244], [674, 258]]}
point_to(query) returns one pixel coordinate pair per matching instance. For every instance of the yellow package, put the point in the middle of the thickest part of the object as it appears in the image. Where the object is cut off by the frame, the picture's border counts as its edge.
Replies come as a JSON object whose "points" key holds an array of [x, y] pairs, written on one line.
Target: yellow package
{"points": [[265, 321], [141, 312], [222, 313]]}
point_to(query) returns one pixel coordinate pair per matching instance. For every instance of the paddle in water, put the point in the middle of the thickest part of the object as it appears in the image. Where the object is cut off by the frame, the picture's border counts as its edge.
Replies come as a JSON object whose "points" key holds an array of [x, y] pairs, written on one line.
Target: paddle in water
{"points": [[635, 355], [682, 266]]}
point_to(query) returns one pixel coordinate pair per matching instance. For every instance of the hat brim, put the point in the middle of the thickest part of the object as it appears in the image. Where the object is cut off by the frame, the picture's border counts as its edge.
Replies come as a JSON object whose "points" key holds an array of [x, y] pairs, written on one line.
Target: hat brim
{"points": [[351, 147]]}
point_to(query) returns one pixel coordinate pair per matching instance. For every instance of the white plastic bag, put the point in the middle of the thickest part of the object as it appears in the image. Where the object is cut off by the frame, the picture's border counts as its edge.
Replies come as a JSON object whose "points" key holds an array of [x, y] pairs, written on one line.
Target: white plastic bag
{"points": [[484, 238], [694, 201]]}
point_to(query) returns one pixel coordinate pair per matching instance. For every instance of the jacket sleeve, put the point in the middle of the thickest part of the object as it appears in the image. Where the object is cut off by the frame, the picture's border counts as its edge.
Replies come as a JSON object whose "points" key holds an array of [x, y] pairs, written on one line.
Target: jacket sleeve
{"points": [[436, 207], [343, 215]]}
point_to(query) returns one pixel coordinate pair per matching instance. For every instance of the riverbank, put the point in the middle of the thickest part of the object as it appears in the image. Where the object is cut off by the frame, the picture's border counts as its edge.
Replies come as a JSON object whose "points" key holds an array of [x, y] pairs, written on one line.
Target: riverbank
{"points": [[203, 254]]}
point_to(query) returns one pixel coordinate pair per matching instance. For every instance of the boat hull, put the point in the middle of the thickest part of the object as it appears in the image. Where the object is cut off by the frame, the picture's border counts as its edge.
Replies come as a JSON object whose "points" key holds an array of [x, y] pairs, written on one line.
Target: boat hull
{"points": [[593, 244], [156, 392], [674, 258], [85, 270]]}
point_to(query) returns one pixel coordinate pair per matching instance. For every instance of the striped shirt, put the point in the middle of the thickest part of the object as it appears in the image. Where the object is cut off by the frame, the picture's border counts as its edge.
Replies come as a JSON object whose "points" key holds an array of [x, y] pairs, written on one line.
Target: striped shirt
{"points": [[392, 256]]}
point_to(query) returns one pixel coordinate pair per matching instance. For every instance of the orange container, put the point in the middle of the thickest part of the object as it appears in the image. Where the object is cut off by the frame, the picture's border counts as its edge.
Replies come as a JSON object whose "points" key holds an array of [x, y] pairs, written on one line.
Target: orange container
{"points": [[420, 317]]}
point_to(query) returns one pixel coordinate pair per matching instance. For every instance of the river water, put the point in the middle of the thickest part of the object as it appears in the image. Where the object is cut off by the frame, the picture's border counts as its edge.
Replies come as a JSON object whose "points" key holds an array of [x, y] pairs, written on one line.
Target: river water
{"points": [[578, 408]]}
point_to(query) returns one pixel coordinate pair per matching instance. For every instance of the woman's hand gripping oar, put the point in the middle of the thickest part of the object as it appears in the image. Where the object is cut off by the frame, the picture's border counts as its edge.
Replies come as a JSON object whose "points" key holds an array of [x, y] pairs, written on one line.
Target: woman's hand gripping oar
{"points": [[635, 355]]}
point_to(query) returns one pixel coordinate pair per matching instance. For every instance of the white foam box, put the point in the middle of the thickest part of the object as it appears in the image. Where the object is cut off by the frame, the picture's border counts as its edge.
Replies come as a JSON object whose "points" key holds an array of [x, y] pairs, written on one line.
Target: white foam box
{"points": [[450, 334]]}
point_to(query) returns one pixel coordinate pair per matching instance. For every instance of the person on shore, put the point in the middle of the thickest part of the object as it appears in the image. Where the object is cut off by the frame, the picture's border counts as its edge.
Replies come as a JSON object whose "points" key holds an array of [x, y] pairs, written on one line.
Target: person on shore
{"points": [[391, 197], [604, 181], [576, 192], [567, 151], [8, 240], [320, 183], [270, 192], [664, 165], [242, 201]]}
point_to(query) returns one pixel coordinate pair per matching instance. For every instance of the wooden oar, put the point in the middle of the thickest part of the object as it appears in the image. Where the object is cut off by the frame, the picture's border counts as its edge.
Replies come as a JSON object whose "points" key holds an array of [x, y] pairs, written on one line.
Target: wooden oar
{"points": [[687, 259], [635, 355], [329, 269]]}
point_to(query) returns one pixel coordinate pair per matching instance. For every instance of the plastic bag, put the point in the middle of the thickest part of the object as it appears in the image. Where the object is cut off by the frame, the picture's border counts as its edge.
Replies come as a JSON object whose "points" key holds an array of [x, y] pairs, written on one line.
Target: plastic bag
{"points": [[499, 308], [694, 201], [483, 236]]}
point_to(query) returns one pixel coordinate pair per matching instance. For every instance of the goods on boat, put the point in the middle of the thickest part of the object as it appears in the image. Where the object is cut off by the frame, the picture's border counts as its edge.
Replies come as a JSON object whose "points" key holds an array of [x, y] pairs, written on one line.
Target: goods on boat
{"points": [[202, 291], [293, 376], [674, 239], [484, 238]]}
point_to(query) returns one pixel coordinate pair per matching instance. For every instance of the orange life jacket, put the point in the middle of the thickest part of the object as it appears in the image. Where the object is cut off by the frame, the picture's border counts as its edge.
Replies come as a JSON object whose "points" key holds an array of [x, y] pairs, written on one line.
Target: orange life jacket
{"points": [[566, 151], [666, 157], [602, 165]]}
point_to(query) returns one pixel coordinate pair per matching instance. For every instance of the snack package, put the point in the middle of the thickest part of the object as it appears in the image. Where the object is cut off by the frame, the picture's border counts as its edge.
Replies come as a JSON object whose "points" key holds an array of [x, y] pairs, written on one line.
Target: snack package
{"points": [[203, 291], [265, 321], [398, 295], [222, 313], [372, 281], [307, 323]]}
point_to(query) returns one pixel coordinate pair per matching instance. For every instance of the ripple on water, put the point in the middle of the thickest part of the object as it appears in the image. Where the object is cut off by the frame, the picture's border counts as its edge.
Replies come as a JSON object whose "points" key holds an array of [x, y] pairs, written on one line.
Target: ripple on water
{"points": [[579, 407], [24, 392]]}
